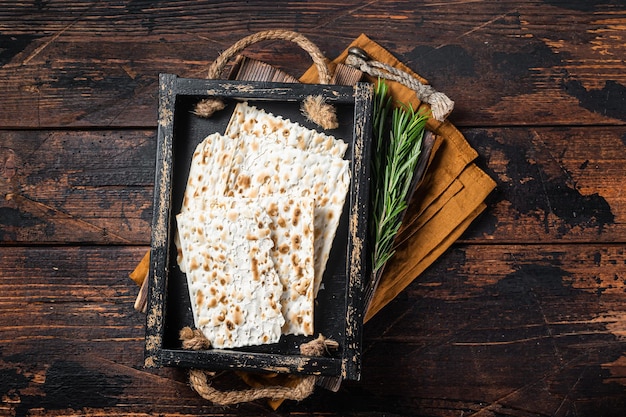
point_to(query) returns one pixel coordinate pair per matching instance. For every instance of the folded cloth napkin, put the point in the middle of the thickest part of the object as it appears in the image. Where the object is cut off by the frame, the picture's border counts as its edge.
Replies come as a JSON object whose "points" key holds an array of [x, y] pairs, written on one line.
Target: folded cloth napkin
{"points": [[448, 199]]}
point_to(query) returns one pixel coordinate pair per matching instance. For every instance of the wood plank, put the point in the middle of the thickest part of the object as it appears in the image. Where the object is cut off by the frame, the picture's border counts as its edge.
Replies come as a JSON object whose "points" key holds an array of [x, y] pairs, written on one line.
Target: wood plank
{"points": [[96, 186], [504, 63], [71, 340], [526, 322], [77, 186], [554, 184], [522, 316]]}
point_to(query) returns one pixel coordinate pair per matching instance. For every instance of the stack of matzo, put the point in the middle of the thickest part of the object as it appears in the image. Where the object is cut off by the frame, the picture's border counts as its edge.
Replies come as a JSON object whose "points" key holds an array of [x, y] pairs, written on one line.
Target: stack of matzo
{"points": [[234, 287], [262, 201]]}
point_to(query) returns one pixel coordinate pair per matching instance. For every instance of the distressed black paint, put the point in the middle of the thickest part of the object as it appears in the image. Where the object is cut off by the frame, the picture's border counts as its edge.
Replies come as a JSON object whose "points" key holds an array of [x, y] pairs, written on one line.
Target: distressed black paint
{"points": [[518, 64], [11, 219], [11, 382], [69, 385]]}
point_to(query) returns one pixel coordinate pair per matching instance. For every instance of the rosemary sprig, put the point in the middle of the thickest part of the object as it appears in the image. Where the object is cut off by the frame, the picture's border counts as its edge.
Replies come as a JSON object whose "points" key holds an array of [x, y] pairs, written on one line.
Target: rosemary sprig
{"points": [[397, 147]]}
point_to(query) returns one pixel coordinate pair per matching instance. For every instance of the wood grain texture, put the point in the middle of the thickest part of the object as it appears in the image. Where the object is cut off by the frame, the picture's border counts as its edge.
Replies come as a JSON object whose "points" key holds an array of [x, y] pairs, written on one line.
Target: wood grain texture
{"points": [[77, 186], [504, 63], [486, 328], [554, 184], [97, 186], [523, 316]]}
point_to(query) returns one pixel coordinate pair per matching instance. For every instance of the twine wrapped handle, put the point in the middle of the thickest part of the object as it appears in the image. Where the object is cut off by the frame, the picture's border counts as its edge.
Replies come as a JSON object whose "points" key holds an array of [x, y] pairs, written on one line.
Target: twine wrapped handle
{"points": [[194, 339], [441, 106], [314, 107]]}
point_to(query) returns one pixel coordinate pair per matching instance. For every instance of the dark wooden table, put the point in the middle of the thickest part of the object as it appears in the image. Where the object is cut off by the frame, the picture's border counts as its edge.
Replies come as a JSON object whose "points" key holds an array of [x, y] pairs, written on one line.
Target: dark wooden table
{"points": [[524, 315]]}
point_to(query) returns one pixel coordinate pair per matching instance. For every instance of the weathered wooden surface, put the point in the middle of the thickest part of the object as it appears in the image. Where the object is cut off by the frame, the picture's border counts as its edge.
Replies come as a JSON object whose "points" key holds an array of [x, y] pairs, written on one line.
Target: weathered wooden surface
{"points": [[556, 184], [96, 64], [524, 315]]}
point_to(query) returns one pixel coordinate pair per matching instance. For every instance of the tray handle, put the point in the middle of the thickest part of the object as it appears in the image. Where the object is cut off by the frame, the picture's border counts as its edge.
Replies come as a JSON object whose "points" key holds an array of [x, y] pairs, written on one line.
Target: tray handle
{"points": [[314, 107], [314, 52]]}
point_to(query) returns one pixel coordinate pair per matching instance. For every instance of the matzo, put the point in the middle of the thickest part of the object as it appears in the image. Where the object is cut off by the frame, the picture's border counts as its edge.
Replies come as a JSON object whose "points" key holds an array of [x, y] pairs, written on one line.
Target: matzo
{"points": [[250, 120], [262, 168], [291, 229], [208, 175], [210, 165], [289, 171], [292, 232], [292, 235], [234, 289]]}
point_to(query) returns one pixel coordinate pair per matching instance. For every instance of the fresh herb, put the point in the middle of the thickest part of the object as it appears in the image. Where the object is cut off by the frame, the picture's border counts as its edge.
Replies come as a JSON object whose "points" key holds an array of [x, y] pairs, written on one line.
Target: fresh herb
{"points": [[397, 134]]}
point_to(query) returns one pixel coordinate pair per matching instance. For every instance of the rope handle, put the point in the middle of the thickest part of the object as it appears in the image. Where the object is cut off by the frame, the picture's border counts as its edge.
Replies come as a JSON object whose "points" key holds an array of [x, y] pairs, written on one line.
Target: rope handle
{"points": [[314, 52], [441, 106], [314, 108], [194, 339]]}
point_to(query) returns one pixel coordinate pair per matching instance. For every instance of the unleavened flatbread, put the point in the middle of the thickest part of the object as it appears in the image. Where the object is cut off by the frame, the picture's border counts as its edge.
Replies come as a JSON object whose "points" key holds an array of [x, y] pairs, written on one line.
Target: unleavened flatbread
{"points": [[261, 168], [234, 289], [291, 228], [208, 176], [294, 178], [249, 120], [293, 236]]}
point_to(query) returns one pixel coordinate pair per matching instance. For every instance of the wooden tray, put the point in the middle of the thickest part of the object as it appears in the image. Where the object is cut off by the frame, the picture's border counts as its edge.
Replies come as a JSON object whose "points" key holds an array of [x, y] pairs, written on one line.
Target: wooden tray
{"points": [[338, 308]]}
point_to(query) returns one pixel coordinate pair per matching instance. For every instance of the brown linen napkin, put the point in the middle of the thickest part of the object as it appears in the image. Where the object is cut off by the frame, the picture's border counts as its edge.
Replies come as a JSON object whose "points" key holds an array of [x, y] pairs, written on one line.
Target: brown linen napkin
{"points": [[448, 199]]}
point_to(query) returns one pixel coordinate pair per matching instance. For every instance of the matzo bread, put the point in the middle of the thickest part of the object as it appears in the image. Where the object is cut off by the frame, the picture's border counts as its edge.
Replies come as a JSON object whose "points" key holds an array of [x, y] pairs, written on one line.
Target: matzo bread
{"points": [[292, 233], [210, 165], [208, 175], [307, 165], [234, 289], [262, 168], [292, 229], [250, 120]]}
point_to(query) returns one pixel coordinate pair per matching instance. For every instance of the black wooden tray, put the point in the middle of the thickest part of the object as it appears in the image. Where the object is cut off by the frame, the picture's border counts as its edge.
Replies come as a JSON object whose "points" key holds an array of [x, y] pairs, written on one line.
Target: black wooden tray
{"points": [[338, 307]]}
